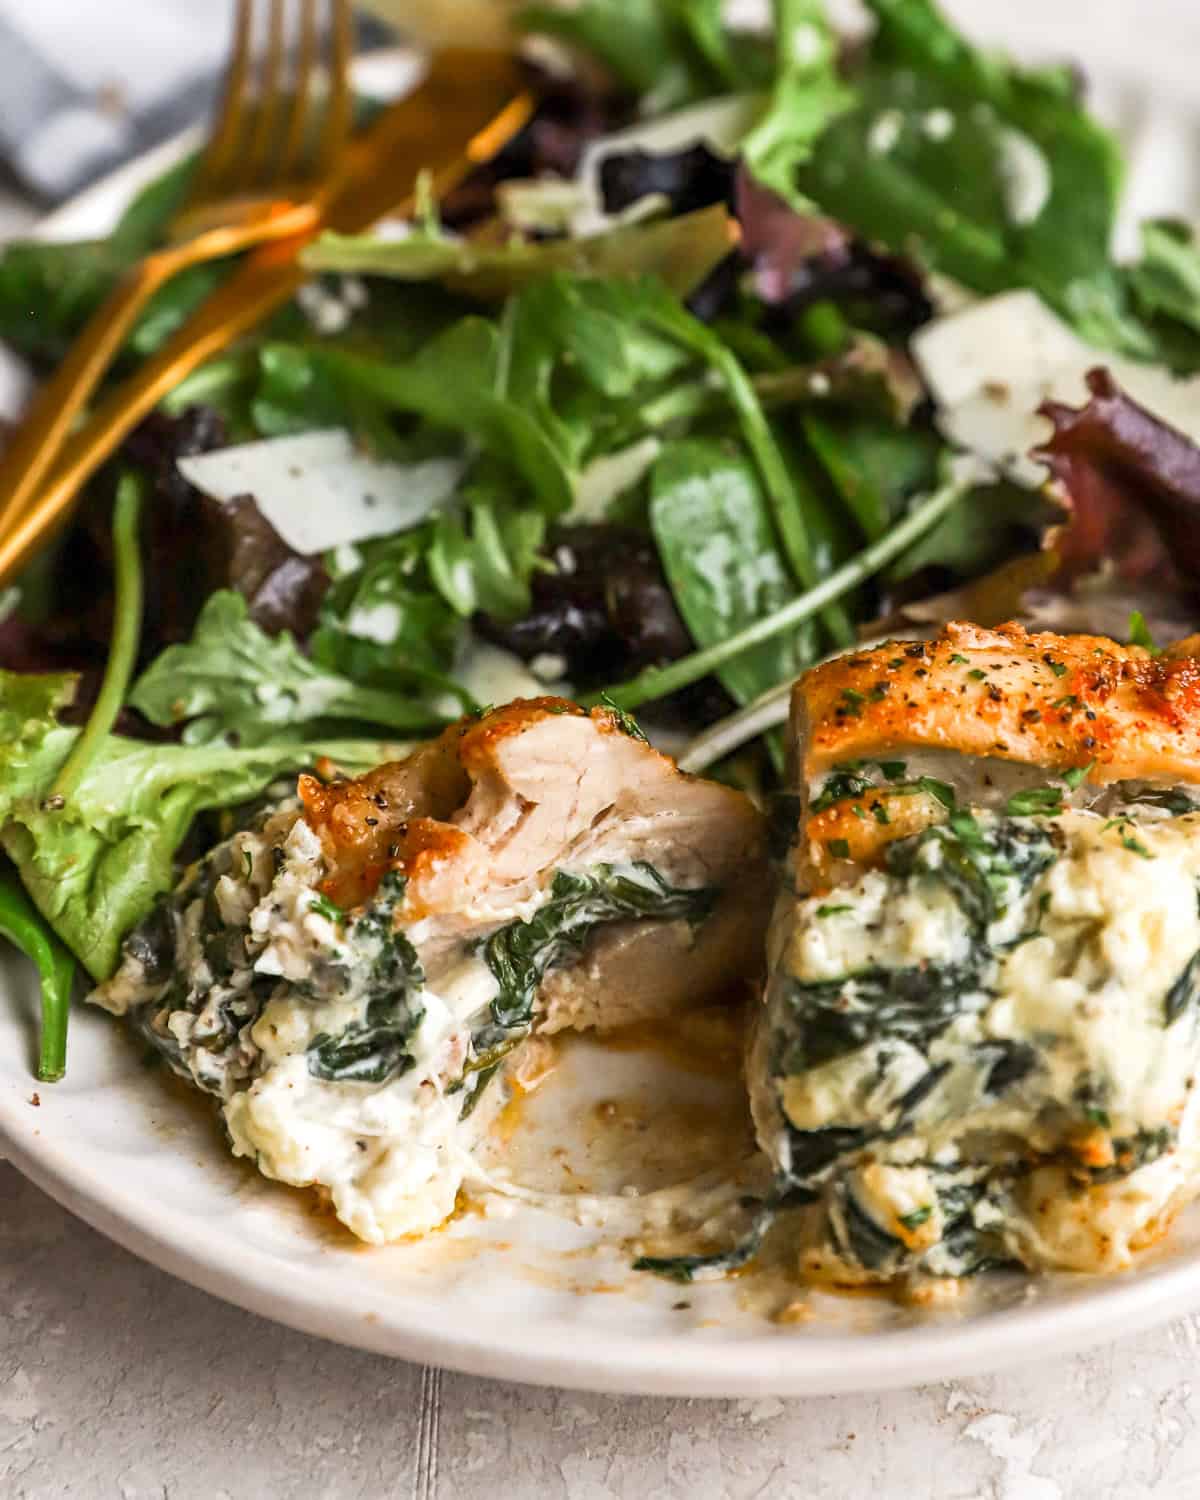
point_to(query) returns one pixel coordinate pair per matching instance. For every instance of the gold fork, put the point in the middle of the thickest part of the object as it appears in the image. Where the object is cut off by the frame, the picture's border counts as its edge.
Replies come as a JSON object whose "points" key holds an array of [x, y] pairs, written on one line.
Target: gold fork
{"points": [[273, 149], [467, 107]]}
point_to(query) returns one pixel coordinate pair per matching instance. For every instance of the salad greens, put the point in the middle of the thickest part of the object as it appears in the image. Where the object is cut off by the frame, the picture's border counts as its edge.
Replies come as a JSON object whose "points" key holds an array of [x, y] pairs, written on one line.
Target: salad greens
{"points": [[694, 450]]}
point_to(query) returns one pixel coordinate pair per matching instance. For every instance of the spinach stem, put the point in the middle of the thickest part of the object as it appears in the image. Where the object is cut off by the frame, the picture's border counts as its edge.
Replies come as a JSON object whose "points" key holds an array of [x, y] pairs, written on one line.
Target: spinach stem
{"points": [[127, 629], [657, 682]]}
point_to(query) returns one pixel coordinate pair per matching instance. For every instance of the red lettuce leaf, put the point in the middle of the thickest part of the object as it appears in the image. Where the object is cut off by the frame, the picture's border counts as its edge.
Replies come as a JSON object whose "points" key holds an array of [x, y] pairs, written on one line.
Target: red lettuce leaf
{"points": [[1133, 484]]}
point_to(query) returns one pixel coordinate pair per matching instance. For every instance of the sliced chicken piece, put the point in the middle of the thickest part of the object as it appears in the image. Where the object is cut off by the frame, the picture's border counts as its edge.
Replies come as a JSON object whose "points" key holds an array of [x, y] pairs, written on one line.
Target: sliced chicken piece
{"points": [[982, 1027], [348, 975]]}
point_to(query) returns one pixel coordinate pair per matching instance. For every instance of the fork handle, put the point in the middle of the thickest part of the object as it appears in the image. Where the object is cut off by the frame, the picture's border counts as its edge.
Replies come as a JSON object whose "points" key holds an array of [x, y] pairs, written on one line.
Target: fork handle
{"points": [[49, 416], [46, 426]]}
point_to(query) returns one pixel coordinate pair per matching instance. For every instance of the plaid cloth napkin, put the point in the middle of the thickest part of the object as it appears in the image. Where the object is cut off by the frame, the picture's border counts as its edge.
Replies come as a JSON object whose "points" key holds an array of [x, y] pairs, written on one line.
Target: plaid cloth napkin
{"points": [[86, 84]]}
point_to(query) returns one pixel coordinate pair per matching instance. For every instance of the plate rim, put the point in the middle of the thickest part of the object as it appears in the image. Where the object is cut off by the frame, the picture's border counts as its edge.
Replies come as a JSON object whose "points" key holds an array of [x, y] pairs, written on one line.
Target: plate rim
{"points": [[552, 1352]]}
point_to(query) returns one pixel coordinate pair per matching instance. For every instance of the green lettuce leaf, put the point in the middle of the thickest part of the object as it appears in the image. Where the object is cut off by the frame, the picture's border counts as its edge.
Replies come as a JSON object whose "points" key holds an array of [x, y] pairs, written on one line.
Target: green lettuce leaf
{"points": [[94, 863]]}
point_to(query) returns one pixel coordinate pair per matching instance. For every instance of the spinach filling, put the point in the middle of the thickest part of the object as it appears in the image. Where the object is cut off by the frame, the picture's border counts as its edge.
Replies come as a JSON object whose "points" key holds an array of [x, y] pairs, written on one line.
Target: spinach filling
{"points": [[522, 953], [982, 865], [978, 864], [389, 978]]}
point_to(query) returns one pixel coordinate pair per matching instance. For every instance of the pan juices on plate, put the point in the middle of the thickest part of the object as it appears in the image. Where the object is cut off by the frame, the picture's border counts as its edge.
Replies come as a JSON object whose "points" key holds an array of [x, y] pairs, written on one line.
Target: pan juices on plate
{"points": [[979, 1040], [348, 972]]}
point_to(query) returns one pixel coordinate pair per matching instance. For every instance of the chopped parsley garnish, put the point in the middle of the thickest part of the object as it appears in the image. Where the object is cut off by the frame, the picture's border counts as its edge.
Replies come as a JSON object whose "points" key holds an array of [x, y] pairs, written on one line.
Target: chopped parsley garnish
{"points": [[1098, 1116], [624, 720], [1057, 667], [248, 864], [841, 784], [1075, 777], [1139, 633], [959, 659], [1035, 802], [832, 911], [918, 1216], [326, 908], [880, 813], [852, 702], [1135, 846], [893, 769], [977, 674], [839, 848]]}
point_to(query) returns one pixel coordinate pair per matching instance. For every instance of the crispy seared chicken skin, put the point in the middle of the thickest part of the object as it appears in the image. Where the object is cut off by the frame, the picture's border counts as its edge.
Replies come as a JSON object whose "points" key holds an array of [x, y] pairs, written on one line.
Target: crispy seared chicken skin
{"points": [[478, 822], [982, 1023], [348, 973]]}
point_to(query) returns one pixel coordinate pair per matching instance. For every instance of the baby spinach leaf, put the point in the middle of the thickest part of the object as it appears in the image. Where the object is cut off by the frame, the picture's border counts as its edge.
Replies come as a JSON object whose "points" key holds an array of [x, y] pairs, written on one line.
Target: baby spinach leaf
{"points": [[483, 562], [714, 535], [875, 466], [383, 622]]}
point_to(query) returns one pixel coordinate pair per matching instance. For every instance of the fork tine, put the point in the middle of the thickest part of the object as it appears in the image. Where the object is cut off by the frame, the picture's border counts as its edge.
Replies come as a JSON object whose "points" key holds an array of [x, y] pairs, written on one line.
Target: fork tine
{"points": [[270, 104], [296, 130], [229, 118], [335, 124]]}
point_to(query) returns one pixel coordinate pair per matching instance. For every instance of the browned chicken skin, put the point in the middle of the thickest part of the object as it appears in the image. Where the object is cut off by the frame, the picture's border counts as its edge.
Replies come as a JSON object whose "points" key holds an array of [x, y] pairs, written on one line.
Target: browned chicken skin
{"points": [[1054, 701], [479, 821]]}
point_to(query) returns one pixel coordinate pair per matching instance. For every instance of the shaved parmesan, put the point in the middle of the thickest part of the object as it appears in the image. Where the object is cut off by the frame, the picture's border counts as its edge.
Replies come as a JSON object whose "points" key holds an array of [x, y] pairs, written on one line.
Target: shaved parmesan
{"points": [[320, 492], [992, 364], [493, 675]]}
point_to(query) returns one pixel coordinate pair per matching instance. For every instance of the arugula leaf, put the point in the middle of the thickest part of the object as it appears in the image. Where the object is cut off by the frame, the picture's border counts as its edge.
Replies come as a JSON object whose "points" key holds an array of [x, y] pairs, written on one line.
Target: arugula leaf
{"points": [[488, 566], [452, 382], [49, 290], [807, 95], [1139, 633], [1166, 286], [383, 622], [232, 679], [875, 466], [714, 535]]}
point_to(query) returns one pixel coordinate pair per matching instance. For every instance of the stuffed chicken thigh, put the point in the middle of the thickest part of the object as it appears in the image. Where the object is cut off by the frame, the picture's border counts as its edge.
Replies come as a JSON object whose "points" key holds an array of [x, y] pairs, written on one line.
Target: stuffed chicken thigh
{"points": [[347, 973], [980, 1041]]}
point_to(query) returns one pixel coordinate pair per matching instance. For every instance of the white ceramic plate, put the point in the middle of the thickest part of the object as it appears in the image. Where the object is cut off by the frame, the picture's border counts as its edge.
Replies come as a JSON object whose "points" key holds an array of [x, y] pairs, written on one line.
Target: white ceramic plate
{"points": [[527, 1294]]}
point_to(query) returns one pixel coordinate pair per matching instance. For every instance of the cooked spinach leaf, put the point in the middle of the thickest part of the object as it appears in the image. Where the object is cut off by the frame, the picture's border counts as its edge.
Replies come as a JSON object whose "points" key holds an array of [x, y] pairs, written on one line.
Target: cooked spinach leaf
{"points": [[387, 973], [520, 954]]}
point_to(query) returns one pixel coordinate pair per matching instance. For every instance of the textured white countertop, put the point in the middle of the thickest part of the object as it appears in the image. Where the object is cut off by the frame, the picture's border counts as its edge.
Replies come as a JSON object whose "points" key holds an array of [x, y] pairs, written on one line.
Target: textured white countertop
{"points": [[117, 1381]]}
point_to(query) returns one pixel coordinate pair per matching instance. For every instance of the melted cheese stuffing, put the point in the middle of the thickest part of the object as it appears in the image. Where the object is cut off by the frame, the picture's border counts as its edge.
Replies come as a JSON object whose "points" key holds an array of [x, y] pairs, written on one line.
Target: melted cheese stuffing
{"points": [[1077, 1161], [391, 1156]]}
